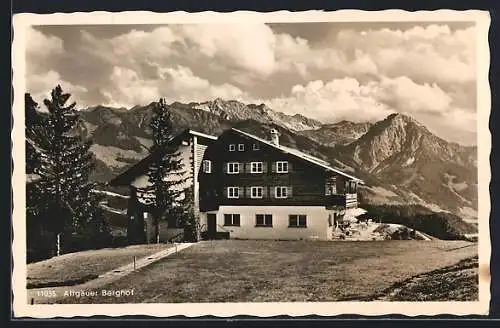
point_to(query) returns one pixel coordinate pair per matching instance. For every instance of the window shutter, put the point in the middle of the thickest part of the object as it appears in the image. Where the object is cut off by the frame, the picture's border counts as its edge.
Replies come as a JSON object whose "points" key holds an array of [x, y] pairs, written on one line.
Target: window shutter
{"points": [[241, 167], [273, 192], [265, 191], [289, 192], [290, 167], [248, 167], [264, 167], [240, 192], [224, 192], [248, 192], [273, 167], [327, 189], [225, 167]]}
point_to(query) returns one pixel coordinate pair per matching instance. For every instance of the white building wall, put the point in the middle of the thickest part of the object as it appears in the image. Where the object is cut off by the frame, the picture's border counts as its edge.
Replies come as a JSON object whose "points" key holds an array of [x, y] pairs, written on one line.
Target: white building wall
{"points": [[317, 222]]}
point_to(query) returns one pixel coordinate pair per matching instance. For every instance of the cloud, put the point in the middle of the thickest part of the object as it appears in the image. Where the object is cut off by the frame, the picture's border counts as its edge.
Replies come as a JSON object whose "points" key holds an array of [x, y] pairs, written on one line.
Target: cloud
{"points": [[40, 86], [425, 54], [404, 94], [348, 99], [41, 51], [175, 84], [334, 101], [358, 74], [249, 47], [40, 45]]}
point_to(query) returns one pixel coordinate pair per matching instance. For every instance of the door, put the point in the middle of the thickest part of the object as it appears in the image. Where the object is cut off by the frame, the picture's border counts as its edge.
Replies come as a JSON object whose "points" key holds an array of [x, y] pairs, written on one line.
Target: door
{"points": [[211, 224]]}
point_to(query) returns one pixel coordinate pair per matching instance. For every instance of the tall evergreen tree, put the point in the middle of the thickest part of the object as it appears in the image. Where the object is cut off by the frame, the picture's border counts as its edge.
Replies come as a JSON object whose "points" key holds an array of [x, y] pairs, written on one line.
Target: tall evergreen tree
{"points": [[64, 164], [166, 172]]}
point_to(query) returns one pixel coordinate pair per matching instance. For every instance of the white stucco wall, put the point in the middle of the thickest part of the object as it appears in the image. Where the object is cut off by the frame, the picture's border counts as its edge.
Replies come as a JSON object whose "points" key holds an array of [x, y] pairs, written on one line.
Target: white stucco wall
{"points": [[317, 222]]}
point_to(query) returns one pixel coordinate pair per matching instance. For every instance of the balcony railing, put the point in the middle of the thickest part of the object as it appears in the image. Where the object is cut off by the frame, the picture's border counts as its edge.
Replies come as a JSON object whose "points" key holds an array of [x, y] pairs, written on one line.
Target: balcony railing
{"points": [[347, 200]]}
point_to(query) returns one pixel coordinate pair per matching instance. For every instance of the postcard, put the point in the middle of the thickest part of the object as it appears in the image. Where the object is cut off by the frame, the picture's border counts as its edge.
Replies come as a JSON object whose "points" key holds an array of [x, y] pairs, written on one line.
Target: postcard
{"points": [[246, 163]]}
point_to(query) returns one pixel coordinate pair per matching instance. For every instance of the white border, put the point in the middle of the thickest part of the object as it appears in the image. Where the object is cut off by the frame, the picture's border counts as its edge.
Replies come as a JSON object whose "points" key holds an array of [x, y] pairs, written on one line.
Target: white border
{"points": [[20, 305]]}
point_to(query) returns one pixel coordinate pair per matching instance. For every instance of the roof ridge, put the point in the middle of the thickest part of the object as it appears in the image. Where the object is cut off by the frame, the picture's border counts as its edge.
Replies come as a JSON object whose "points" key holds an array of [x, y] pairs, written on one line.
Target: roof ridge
{"points": [[305, 156]]}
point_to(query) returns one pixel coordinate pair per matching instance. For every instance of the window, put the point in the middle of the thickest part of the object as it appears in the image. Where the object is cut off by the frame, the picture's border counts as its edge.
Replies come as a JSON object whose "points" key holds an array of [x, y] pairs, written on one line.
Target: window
{"points": [[241, 147], [207, 166], [263, 220], [232, 147], [233, 168], [256, 167], [281, 192], [256, 192], [282, 167], [297, 221], [233, 192], [256, 146], [232, 220]]}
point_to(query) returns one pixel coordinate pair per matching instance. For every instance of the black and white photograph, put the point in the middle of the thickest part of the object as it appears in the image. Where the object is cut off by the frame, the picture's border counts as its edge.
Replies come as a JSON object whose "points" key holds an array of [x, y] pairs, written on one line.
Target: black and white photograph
{"points": [[251, 163]]}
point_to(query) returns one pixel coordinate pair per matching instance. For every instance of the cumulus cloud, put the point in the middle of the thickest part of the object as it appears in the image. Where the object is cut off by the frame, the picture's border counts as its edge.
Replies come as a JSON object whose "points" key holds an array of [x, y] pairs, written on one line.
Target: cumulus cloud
{"points": [[336, 100], [40, 45], [175, 84], [425, 54], [349, 99], [404, 94], [40, 86], [354, 74]]}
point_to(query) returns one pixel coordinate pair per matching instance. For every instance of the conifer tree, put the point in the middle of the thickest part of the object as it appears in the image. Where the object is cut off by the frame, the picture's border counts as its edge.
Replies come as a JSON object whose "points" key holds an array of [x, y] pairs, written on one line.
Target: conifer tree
{"points": [[166, 172], [64, 164]]}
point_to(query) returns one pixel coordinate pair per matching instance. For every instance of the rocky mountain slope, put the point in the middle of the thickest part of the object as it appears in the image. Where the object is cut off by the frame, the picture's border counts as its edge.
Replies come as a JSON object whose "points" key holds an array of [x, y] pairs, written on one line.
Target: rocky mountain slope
{"points": [[341, 133], [405, 158], [400, 160], [236, 111]]}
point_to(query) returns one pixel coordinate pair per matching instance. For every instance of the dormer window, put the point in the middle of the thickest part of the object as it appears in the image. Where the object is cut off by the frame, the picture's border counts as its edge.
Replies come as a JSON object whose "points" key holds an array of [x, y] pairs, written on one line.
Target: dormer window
{"points": [[232, 147], [256, 146], [282, 167], [207, 166], [241, 147]]}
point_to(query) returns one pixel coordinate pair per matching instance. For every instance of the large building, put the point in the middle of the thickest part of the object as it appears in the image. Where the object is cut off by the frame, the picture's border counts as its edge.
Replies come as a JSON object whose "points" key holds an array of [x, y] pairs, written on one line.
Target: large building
{"points": [[247, 187]]}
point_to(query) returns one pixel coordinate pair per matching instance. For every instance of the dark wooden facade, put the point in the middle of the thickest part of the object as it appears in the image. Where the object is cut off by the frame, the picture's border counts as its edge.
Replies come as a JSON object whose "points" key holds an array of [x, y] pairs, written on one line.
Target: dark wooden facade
{"points": [[306, 181]]}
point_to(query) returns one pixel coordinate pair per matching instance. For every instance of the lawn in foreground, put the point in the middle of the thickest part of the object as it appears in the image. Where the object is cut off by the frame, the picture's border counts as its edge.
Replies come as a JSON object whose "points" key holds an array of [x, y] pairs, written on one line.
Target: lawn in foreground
{"points": [[283, 271], [86, 265], [456, 282]]}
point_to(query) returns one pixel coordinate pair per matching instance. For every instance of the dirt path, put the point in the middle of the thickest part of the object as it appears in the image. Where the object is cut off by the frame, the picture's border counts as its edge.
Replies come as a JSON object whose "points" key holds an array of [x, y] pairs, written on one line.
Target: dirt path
{"points": [[52, 294]]}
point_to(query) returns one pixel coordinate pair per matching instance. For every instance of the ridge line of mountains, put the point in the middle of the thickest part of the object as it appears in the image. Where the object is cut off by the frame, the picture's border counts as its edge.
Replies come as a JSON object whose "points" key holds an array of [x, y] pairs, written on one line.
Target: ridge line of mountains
{"points": [[399, 159]]}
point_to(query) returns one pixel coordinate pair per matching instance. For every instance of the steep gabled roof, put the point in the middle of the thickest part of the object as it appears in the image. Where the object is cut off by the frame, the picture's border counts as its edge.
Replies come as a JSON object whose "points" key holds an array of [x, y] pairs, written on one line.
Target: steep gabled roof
{"points": [[299, 154], [142, 165]]}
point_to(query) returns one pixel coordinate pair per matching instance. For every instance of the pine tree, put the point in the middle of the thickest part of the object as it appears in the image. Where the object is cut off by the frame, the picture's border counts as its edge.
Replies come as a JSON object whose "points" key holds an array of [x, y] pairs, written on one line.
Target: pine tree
{"points": [[64, 164], [166, 172]]}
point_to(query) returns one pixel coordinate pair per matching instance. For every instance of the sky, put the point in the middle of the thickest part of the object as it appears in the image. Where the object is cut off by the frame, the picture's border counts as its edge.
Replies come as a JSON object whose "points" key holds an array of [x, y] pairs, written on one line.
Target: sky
{"points": [[327, 71]]}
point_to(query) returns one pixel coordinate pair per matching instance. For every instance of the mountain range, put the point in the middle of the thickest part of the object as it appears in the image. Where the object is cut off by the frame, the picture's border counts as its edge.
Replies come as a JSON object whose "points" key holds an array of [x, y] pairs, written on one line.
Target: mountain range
{"points": [[400, 160]]}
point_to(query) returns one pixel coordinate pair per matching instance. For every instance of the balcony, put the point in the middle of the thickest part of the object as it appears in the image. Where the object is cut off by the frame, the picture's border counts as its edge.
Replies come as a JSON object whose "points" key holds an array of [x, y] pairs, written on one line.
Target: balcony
{"points": [[347, 200]]}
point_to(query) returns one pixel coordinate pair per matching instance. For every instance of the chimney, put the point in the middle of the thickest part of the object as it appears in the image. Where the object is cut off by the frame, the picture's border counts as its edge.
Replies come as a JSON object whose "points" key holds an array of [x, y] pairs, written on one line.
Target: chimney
{"points": [[275, 137]]}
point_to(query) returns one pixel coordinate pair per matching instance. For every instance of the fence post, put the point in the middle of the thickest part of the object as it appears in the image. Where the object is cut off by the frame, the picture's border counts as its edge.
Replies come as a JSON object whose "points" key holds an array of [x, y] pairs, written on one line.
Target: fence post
{"points": [[134, 263]]}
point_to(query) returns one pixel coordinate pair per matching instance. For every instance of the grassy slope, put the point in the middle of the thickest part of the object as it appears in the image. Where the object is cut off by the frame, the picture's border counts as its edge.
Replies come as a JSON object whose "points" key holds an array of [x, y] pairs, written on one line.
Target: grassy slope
{"points": [[271, 271], [85, 265], [458, 282]]}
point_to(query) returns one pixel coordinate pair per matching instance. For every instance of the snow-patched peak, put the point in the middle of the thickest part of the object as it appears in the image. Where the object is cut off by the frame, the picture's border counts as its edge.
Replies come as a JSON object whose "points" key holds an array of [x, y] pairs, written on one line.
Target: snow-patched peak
{"points": [[236, 110]]}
